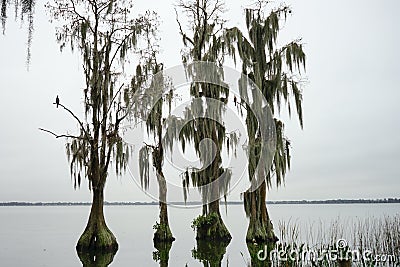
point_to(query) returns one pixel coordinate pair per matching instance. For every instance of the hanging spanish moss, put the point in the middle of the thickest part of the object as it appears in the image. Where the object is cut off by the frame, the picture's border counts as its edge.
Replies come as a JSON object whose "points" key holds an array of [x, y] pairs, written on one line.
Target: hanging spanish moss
{"points": [[25, 10], [202, 126], [275, 71], [104, 33], [156, 95]]}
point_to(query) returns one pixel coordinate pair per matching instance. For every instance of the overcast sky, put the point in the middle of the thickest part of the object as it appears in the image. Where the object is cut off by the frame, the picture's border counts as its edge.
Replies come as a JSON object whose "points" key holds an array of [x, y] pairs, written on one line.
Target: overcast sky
{"points": [[349, 147]]}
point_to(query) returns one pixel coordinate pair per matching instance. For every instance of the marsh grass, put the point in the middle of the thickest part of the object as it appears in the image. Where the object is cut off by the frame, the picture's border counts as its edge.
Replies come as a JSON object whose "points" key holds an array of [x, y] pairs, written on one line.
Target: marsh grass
{"points": [[348, 238]]}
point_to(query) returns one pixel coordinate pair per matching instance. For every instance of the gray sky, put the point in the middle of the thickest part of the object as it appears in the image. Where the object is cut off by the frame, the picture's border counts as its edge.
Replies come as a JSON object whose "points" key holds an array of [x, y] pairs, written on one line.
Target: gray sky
{"points": [[349, 147]]}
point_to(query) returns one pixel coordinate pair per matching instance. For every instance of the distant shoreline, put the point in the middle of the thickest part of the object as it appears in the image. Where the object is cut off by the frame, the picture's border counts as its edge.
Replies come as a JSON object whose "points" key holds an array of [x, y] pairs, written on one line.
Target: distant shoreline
{"points": [[280, 202]]}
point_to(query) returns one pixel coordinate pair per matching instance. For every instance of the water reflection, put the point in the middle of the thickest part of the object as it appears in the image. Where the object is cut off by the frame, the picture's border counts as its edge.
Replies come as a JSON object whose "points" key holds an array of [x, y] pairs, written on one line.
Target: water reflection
{"points": [[96, 259], [257, 259], [260, 256], [210, 253], [161, 254]]}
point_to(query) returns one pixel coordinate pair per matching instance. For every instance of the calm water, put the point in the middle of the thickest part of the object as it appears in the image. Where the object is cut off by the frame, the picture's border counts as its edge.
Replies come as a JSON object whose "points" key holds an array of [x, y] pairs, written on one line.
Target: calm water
{"points": [[46, 236]]}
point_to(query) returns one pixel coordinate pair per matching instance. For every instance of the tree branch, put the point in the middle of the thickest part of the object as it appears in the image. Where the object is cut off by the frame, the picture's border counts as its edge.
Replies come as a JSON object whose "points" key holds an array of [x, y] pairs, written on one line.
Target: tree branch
{"points": [[108, 159], [181, 31], [112, 100], [76, 118], [149, 146], [61, 135], [79, 15]]}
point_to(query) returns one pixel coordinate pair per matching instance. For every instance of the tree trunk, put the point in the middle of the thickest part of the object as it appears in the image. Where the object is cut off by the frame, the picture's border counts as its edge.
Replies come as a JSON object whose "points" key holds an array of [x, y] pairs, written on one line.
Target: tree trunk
{"points": [[260, 226], [163, 232], [265, 216], [97, 236], [215, 229]]}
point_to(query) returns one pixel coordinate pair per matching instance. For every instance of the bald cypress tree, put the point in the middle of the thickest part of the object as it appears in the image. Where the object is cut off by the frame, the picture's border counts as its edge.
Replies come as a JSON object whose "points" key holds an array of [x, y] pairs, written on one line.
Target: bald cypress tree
{"points": [[150, 106], [276, 72], [105, 33], [203, 42]]}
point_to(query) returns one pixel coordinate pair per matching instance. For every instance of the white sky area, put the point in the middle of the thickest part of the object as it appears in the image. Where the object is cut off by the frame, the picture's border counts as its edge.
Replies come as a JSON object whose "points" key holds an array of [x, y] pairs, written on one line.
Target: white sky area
{"points": [[349, 147]]}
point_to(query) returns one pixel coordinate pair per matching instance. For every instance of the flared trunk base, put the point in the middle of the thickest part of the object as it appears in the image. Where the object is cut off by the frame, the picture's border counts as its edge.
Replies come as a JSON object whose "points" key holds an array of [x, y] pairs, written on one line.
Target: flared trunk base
{"points": [[97, 239], [211, 228], [260, 228], [163, 234], [261, 233]]}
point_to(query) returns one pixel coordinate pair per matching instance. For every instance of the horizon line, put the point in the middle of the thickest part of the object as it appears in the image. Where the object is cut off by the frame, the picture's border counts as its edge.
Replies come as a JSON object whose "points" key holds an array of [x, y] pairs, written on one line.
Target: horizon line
{"points": [[138, 203]]}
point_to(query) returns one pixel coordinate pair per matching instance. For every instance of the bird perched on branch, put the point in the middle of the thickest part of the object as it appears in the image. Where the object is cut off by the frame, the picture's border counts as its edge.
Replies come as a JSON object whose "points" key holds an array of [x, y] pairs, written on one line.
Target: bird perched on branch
{"points": [[57, 101]]}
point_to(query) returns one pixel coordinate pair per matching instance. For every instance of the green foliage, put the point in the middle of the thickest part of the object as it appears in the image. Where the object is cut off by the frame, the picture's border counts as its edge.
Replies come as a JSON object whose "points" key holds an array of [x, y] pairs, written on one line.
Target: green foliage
{"points": [[205, 221], [210, 227], [162, 233], [160, 227]]}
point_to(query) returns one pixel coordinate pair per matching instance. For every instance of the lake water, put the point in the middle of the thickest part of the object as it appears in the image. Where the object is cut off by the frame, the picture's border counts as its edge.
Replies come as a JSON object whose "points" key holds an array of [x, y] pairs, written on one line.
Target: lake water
{"points": [[46, 236]]}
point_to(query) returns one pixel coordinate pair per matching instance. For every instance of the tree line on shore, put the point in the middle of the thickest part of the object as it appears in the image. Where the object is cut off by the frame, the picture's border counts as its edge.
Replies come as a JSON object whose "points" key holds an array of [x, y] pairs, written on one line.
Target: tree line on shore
{"points": [[279, 202]]}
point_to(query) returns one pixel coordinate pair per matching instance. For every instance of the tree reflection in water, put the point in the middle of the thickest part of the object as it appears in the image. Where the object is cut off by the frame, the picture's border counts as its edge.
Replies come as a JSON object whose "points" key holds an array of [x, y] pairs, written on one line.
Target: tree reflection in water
{"points": [[96, 259], [161, 254], [210, 253]]}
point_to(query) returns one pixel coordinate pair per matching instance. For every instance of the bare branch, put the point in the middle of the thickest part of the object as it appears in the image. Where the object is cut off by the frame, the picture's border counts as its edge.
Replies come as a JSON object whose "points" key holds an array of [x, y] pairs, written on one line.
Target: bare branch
{"points": [[61, 135], [149, 146], [119, 47], [181, 31], [76, 118], [79, 15]]}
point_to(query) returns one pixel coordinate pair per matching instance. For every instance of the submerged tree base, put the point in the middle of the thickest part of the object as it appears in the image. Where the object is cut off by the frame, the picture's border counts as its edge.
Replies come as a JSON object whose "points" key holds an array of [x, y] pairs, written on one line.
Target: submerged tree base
{"points": [[162, 234], [211, 227], [98, 239], [261, 234]]}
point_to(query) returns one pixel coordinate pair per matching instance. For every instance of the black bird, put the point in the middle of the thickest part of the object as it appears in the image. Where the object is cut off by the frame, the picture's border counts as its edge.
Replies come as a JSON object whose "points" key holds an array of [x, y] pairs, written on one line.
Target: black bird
{"points": [[57, 101]]}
